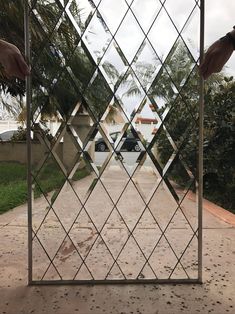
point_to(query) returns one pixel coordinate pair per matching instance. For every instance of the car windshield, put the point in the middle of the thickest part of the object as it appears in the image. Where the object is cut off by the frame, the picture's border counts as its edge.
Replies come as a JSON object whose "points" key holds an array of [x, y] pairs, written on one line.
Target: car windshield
{"points": [[114, 135]]}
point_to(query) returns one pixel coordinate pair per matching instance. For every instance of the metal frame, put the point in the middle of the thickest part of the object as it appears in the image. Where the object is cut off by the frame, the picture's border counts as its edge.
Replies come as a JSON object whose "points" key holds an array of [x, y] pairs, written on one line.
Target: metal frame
{"points": [[200, 146], [30, 201], [28, 106]]}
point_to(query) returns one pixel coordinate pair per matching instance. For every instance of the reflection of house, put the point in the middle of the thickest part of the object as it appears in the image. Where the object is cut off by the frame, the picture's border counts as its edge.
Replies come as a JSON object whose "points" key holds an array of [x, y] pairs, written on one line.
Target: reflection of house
{"points": [[114, 116], [141, 120], [146, 126], [115, 120]]}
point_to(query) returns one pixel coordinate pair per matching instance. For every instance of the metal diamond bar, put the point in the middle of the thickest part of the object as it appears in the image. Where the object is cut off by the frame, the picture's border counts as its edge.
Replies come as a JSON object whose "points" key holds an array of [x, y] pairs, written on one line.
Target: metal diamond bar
{"points": [[51, 153], [70, 228], [67, 175], [168, 225], [131, 232], [51, 89], [179, 33], [165, 229], [120, 216], [168, 122], [67, 235], [112, 36], [48, 37], [168, 109], [47, 255], [163, 235], [94, 242], [115, 203], [64, 8], [147, 33], [62, 70], [116, 31], [173, 145], [186, 80], [179, 259], [57, 160], [196, 4], [52, 259], [61, 133], [83, 259], [163, 123], [99, 234], [51, 203]]}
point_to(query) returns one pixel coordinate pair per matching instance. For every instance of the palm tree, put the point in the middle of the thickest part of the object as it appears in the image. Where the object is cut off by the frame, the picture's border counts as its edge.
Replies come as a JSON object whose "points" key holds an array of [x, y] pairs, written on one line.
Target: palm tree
{"points": [[62, 66]]}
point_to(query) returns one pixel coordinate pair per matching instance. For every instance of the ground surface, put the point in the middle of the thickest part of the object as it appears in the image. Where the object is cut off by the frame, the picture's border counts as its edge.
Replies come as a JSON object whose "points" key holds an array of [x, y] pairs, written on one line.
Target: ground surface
{"points": [[216, 295]]}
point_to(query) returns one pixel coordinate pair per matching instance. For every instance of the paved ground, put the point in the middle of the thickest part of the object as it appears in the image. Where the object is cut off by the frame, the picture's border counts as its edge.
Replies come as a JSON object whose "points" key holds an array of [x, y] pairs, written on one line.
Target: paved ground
{"points": [[216, 295]]}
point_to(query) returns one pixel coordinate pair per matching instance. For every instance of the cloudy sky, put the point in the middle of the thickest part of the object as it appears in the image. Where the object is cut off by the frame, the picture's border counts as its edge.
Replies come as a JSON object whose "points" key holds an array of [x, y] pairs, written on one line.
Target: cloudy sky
{"points": [[219, 20]]}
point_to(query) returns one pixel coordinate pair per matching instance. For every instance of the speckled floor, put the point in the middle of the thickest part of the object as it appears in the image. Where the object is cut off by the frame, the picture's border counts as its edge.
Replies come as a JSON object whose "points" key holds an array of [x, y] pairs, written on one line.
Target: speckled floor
{"points": [[216, 295]]}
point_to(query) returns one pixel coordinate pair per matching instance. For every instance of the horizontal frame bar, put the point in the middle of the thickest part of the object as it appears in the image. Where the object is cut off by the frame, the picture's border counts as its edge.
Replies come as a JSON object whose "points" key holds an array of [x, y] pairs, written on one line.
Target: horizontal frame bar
{"points": [[115, 281]]}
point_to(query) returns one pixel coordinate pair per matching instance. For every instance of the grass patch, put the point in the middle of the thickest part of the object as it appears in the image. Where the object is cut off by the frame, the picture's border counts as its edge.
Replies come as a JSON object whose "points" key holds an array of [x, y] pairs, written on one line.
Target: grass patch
{"points": [[13, 182]]}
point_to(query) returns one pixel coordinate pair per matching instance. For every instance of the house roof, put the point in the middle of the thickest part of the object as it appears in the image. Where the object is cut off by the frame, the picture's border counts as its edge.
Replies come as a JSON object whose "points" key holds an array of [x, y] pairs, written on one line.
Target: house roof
{"points": [[146, 120]]}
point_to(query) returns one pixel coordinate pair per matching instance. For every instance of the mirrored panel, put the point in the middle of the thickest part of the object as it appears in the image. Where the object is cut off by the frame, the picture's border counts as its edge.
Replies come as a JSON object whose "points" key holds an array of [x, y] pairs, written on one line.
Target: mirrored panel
{"points": [[114, 140]]}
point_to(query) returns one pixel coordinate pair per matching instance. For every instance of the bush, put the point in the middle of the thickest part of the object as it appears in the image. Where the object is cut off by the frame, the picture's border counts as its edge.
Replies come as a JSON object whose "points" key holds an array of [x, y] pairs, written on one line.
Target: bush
{"points": [[219, 142]]}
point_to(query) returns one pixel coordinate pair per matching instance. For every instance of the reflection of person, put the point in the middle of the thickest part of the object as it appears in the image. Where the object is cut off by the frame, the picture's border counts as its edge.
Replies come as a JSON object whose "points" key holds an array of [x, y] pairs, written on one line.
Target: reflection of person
{"points": [[218, 54], [12, 61]]}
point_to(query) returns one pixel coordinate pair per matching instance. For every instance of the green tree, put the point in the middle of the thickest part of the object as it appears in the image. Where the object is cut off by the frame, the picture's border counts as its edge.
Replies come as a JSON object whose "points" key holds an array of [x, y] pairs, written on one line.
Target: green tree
{"points": [[62, 65], [219, 145], [180, 117]]}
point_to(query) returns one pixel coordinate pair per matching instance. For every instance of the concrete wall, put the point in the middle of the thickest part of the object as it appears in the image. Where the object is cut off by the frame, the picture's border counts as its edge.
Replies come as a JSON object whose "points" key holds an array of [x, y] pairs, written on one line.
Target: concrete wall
{"points": [[17, 151]]}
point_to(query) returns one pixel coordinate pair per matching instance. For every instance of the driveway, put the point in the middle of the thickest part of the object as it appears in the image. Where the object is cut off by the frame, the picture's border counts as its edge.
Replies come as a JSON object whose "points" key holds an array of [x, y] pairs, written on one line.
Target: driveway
{"points": [[215, 295]]}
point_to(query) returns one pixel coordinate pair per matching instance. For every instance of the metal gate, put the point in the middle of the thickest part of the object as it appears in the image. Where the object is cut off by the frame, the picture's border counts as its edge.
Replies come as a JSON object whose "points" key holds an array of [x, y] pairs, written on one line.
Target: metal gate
{"points": [[115, 120]]}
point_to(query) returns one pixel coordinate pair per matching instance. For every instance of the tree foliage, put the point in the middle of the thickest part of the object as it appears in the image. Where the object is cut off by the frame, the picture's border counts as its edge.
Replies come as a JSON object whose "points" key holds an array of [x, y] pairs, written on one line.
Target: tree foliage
{"points": [[219, 144], [181, 125], [65, 73], [62, 67]]}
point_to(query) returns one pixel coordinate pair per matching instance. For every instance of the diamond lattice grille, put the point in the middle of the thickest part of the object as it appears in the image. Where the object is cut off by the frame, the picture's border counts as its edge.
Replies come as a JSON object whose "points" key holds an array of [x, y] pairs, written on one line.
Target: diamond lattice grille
{"points": [[115, 122]]}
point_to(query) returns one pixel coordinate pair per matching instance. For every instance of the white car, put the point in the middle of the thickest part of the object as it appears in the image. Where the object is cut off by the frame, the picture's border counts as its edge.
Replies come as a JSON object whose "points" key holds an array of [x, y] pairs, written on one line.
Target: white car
{"points": [[7, 135]]}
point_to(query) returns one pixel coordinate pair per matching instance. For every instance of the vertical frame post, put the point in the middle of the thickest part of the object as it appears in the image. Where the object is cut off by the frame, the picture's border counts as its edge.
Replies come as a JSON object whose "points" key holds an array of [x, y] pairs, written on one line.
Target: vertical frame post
{"points": [[200, 150], [28, 106]]}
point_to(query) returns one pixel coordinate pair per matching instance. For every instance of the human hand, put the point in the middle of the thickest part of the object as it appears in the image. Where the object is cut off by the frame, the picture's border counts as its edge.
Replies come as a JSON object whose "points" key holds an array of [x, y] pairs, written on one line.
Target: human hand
{"points": [[12, 61], [216, 57]]}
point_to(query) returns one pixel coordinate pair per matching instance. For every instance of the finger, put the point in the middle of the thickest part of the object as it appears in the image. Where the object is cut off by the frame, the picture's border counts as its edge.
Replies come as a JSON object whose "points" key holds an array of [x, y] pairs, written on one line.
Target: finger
{"points": [[5, 74], [22, 65], [208, 69], [13, 70], [207, 73], [203, 68]]}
